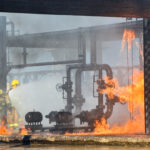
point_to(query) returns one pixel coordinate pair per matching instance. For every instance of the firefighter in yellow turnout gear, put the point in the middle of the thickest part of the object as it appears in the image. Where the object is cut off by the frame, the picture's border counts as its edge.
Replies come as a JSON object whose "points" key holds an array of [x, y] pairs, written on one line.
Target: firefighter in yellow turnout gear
{"points": [[8, 112], [13, 115]]}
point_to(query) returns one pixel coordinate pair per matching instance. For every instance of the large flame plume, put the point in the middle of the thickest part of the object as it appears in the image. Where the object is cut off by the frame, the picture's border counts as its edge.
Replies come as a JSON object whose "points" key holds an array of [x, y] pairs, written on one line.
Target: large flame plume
{"points": [[133, 91], [127, 38]]}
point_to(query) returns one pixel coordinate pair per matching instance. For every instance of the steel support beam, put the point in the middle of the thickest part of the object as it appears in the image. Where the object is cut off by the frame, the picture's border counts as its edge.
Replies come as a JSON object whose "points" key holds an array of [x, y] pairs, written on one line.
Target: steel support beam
{"points": [[147, 73], [3, 63]]}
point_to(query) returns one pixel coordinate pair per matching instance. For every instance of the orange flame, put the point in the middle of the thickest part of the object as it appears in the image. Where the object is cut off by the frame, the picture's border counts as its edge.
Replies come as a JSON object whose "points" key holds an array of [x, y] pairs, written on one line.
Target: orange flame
{"points": [[4, 130], [134, 91], [128, 37], [23, 131]]}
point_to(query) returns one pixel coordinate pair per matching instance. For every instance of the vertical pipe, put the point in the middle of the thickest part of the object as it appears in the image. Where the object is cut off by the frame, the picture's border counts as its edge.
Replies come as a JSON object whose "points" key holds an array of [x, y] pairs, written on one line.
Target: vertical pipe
{"points": [[78, 82], [24, 55], [69, 91], [69, 84], [84, 48], [99, 53], [81, 46], [93, 46], [3, 61], [78, 98], [100, 96]]}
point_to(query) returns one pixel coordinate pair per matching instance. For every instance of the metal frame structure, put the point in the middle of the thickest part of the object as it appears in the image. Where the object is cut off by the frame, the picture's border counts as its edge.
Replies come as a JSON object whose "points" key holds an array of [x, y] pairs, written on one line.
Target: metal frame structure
{"points": [[116, 8], [147, 73]]}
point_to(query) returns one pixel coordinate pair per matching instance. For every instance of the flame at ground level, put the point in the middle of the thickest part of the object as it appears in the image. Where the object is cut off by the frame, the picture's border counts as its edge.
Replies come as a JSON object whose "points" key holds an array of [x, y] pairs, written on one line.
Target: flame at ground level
{"points": [[23, 131], [135, 126], [102, 128], [4, 130]]}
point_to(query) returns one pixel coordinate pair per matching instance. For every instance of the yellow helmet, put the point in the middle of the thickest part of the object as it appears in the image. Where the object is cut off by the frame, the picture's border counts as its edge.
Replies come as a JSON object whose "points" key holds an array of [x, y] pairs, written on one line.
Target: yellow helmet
{"points": [[14, 83]]}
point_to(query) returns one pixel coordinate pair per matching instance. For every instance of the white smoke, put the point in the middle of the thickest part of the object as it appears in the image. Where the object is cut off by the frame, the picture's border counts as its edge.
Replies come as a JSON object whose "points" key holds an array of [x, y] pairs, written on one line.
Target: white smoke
{"points": [[38, 96]]}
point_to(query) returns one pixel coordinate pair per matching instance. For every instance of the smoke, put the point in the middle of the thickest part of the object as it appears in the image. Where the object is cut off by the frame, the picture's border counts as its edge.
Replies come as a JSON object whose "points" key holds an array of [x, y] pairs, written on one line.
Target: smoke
{"points": [[38, 96]]}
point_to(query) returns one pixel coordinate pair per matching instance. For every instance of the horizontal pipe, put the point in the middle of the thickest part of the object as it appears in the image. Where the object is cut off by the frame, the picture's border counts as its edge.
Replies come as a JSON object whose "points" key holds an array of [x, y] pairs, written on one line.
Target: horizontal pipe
{"points": [[45, 64], [125, 67]]}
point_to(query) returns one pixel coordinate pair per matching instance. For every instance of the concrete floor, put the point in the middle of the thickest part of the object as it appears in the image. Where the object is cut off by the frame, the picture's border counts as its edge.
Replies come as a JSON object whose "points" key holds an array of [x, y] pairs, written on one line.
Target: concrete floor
{"points": [[112, 140]]}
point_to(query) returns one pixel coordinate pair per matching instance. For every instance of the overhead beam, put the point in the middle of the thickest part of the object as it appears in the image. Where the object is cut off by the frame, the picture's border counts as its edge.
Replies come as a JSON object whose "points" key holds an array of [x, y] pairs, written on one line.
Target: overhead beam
{"points": [[112, 8], [69, 38]]}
